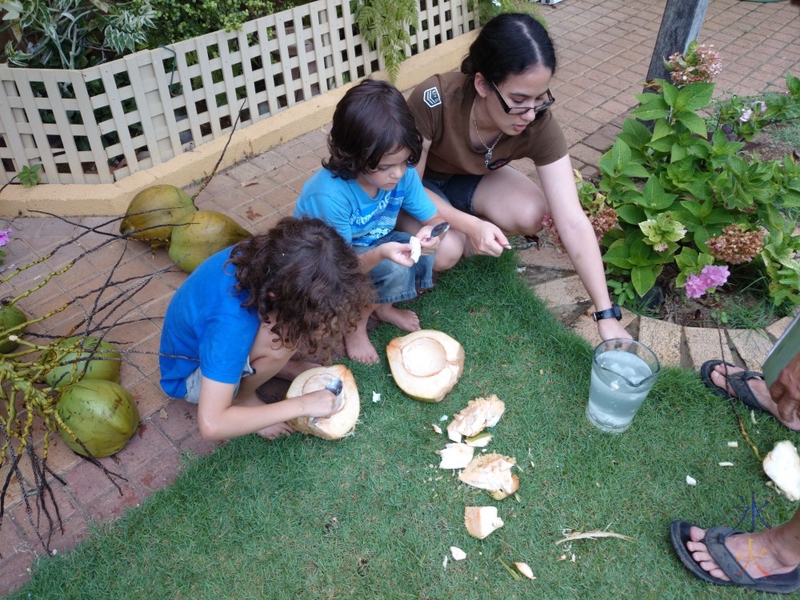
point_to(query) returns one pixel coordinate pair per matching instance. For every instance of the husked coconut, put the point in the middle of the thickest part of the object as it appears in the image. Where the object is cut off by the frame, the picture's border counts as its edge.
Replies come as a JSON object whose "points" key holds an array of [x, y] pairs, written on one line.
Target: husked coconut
{"points": [[479, 414], [343, 421], [782, 466], [481, 520], [491, 472], [456, 456], [426, 364]]}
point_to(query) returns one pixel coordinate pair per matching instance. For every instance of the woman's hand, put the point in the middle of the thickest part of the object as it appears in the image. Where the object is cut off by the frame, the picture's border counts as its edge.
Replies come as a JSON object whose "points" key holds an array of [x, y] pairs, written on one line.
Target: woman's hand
{"points": [[611, 328], [486, 238]]}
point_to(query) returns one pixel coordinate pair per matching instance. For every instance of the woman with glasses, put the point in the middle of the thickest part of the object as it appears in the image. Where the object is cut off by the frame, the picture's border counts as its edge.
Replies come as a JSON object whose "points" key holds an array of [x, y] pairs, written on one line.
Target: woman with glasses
{"points": [[473, 124]]}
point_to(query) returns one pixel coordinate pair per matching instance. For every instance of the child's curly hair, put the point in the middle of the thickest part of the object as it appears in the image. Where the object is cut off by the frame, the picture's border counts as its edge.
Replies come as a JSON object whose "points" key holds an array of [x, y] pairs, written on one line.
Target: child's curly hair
{"points": [[306, 272], [372, 119]]}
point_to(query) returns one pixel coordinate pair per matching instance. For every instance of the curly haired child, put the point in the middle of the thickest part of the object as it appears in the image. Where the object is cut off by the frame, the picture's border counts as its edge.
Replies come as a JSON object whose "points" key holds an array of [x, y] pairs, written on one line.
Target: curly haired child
{"points": [[360, 191], [237, 320]]}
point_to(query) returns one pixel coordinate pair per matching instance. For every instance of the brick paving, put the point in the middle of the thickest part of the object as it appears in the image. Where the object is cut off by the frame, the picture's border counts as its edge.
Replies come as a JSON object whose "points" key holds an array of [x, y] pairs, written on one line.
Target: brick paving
{"points": [[604, 49]]}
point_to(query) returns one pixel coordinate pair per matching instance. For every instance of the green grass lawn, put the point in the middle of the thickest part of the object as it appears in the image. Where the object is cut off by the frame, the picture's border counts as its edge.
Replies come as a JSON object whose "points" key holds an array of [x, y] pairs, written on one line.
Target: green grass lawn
{"points": [[371, 516]]}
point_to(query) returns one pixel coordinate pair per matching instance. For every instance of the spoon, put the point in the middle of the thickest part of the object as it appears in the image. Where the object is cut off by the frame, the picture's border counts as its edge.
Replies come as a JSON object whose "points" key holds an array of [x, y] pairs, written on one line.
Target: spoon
{"points": [[439, 229]]}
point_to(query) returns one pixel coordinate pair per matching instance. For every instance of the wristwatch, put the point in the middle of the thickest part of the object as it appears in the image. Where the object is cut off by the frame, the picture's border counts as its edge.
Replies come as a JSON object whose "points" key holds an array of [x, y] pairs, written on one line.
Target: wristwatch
{"points": [[614, 311]]}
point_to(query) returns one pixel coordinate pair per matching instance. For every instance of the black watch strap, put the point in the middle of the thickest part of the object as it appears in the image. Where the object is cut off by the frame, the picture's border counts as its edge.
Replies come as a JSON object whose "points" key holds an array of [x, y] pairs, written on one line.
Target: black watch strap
{"points": [[614, 311]]}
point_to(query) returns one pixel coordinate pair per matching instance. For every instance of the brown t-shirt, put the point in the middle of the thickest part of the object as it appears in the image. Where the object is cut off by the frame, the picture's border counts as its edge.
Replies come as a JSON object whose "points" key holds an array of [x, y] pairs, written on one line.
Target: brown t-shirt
{"points": [[441, 106]]}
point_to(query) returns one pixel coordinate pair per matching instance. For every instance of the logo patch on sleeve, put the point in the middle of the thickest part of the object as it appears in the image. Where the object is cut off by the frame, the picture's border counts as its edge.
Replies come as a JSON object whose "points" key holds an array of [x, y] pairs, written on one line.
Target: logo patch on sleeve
{"points": [[431, 97]]}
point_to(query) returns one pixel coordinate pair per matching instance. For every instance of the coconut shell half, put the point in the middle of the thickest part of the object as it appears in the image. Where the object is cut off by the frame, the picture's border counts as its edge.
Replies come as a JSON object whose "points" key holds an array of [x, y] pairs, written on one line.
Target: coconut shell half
{"points": [[492, 472], [481, 520], [426, 364], [340, 423]]}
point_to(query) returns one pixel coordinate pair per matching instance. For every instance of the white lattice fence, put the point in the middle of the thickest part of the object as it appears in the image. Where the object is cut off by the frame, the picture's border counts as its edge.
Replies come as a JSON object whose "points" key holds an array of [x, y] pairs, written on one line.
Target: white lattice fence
{"points": [[101, 124]]}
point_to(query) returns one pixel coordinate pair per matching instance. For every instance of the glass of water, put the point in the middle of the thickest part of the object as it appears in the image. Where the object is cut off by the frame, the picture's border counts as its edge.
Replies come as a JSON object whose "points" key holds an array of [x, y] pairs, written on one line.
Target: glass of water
{"points": [[623, 372]]}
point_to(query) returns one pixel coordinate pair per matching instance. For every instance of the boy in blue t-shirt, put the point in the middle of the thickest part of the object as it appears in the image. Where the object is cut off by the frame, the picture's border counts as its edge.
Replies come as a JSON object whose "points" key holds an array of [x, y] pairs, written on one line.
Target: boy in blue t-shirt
{"points": [[360, 192], [238, 319]]}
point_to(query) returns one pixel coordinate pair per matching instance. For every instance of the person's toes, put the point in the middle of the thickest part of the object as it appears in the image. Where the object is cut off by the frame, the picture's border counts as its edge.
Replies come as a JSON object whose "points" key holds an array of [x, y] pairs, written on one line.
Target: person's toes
{"points": [[696, 534]]}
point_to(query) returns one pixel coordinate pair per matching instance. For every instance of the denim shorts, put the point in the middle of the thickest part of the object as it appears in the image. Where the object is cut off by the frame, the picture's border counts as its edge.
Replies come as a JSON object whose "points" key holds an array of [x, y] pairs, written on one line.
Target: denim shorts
{"points": [[396, 283], [458, 190], [193, 382]]}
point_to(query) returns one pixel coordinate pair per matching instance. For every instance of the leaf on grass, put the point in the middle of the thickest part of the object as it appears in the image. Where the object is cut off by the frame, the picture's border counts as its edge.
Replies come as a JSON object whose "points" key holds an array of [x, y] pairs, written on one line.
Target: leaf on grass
{"points": [[592, 535]]}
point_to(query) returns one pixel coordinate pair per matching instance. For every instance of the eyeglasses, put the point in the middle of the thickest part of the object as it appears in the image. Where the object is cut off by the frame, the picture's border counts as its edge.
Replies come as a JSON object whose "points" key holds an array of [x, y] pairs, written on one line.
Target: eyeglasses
{"points": [[521, 110]]}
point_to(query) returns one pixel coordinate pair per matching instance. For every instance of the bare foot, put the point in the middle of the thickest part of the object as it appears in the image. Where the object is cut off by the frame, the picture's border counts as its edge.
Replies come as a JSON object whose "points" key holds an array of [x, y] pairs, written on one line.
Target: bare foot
{"points": [[359, 347], [275, 431], [759, 389], [756, 552], [407, 320]]}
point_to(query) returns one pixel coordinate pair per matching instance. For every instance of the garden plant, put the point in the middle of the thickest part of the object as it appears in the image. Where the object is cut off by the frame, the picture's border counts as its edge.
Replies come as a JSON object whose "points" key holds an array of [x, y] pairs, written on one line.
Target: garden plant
{"points": [[680, 203]]}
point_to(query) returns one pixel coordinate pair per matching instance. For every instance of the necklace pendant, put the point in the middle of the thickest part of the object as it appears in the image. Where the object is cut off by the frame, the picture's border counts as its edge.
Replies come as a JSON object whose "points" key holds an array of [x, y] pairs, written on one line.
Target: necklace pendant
{"points": [[487, 157]]}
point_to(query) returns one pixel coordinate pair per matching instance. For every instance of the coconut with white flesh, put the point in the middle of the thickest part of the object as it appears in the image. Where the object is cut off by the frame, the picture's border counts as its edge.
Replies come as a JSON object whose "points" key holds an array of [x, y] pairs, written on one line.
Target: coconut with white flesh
{"points": [[426, 364], [346, 410], [481, 520], [455, 456], [479, 414], [416, 248], [491, 472], [782, 466]]}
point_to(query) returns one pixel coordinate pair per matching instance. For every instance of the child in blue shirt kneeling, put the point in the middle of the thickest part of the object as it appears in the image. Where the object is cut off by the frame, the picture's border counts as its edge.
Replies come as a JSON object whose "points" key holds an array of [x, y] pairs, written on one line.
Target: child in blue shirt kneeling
{"points": [[238, 319]]}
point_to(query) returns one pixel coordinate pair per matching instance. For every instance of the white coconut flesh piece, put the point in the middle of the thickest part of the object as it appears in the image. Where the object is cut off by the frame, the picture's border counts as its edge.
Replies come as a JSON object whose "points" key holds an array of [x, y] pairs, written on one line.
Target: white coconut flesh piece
{"points": [[426, 364], [416, 248], [782, 466], [455, 456], [481, 520], [491, 472], [479, 414], [343, 421]]}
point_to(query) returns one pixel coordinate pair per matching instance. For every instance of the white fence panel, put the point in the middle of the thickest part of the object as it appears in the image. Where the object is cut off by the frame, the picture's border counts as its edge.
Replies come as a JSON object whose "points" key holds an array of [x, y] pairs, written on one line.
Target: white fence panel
{"points": [[104, 123]]}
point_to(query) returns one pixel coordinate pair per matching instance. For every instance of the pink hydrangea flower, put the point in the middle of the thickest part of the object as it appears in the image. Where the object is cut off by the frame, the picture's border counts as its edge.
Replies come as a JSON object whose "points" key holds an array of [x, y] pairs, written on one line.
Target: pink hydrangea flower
{"points": [[712, 276], [4, 236]]}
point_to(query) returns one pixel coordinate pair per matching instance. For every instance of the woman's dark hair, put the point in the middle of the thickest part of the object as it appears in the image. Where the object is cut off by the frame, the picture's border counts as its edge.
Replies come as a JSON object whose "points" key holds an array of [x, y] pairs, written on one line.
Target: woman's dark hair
{"points": [[371, 120], [310, 276], [509, 44]]}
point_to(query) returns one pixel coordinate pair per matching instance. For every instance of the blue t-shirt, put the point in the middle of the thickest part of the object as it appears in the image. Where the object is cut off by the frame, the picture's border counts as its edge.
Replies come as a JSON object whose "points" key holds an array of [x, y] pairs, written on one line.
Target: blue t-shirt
{"points": [[357, 217], [206, 326]]}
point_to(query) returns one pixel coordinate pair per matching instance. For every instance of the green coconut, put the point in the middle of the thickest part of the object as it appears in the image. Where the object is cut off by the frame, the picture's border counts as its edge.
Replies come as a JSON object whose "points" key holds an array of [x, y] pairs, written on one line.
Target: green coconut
{"points": [[101, 414], [92, 359], [10, 317], [153, 211], [199, 235]]}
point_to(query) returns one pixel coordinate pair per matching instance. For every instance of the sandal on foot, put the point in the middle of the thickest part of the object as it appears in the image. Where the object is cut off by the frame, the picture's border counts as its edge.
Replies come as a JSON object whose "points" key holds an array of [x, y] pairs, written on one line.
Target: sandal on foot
{"points": [[714, 541], [737, 381]]}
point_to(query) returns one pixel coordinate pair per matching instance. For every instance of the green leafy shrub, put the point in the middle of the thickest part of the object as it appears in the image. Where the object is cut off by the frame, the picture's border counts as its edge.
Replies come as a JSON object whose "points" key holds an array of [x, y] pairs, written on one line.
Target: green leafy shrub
{"points": [[385, 24], [692, 206], [72, 34], [179, 21]]}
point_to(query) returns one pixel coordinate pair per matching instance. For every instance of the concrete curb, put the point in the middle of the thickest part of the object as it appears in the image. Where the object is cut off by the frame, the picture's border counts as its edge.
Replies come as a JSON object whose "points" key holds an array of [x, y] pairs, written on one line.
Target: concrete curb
{"points": [[559, 287]]}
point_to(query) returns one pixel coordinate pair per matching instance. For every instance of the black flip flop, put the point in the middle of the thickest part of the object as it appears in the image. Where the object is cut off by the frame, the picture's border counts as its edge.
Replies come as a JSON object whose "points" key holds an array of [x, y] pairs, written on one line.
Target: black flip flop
{"points": [[715, 545], [738, 381]]}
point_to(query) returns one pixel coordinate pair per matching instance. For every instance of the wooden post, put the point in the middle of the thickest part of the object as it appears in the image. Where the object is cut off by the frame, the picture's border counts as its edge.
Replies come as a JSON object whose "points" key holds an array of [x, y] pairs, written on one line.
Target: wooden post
{"points": [[680, 25]]}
